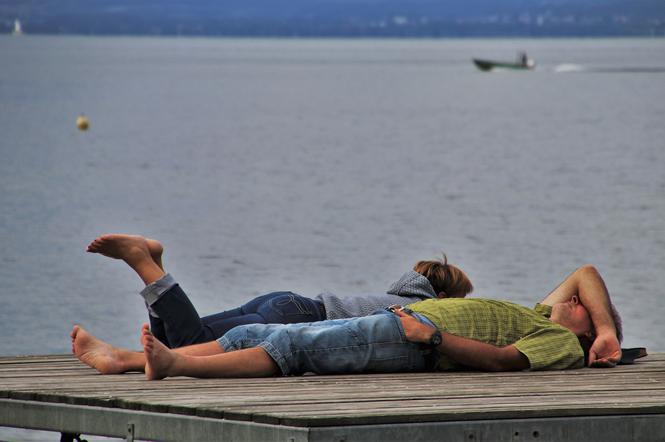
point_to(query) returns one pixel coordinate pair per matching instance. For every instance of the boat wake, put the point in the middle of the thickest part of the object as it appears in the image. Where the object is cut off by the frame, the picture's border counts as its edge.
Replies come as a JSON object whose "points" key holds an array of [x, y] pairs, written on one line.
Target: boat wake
{"points": [[569, 67], [633, 69]]}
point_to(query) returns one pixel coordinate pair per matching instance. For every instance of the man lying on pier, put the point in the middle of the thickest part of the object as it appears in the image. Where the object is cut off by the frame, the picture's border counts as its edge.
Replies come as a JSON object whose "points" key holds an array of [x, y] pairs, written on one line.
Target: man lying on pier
{"points": [[437, 334]]}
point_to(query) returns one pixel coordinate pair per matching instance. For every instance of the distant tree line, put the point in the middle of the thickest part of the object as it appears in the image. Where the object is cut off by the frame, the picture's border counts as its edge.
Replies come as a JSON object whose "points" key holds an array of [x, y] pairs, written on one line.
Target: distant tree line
{"points": [[339, 18]]}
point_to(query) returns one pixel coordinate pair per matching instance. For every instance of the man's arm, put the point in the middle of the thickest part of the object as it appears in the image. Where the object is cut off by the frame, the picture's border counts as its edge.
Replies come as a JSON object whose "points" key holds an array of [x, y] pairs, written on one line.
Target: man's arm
{"points": [[588, 285], [480, 355], [466, 351]]}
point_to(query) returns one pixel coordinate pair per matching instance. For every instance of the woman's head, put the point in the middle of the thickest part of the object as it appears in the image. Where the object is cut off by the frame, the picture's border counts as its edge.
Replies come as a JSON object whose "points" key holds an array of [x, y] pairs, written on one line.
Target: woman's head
{"points": [[447, 280]]}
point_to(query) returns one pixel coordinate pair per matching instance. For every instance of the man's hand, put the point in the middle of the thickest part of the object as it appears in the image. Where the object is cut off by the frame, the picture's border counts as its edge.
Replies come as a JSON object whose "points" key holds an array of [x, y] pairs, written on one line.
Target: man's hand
{"points": [[415, 330], [466, 351], [605, 351]]}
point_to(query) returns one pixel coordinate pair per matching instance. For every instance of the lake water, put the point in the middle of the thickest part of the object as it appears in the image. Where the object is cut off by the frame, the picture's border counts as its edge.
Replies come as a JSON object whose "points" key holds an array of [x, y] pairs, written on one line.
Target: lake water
{"points": [[313, 165]]}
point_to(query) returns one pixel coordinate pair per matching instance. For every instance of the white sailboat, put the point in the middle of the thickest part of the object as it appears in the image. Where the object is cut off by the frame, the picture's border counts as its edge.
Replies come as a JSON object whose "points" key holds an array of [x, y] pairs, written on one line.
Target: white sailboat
{"points": [[18, 30]]}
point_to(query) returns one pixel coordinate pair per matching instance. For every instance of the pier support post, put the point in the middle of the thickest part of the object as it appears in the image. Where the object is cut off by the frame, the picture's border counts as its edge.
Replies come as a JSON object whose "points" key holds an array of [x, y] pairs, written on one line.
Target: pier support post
{"points": [[130, 432]]}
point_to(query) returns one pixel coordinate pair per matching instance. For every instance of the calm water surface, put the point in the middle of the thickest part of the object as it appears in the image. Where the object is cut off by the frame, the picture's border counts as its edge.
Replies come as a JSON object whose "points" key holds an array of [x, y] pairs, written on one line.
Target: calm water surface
{"points": [[330, 164]]}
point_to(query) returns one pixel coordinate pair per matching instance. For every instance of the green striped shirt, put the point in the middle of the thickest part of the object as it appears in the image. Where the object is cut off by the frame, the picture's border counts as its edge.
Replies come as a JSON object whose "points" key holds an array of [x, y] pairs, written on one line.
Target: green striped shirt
{"points": [[547, 345]]}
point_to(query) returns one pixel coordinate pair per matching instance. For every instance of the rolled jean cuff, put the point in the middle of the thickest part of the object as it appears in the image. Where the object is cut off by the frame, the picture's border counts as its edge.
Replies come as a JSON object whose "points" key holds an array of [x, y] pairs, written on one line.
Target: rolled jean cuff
{"points": [[226, 344], [229, 346], [276, 356], [152, 292]]}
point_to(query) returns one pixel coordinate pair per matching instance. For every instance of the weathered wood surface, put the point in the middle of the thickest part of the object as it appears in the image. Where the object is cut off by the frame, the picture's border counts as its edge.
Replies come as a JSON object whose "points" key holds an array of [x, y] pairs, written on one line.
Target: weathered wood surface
{"points": [[317, 401]]}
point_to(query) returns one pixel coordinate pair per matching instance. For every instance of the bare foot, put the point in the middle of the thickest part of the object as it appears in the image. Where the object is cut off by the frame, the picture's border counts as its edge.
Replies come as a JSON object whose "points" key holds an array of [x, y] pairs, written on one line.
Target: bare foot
{"points": [[160, 360], [119, 246], [156, 249], [141, 254], [129, 248], [98, 354]]}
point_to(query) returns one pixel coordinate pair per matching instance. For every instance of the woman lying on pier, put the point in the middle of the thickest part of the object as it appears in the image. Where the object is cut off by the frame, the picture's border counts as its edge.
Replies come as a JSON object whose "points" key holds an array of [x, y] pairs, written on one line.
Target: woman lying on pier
{"points": [[574, 321], [176, 323]]}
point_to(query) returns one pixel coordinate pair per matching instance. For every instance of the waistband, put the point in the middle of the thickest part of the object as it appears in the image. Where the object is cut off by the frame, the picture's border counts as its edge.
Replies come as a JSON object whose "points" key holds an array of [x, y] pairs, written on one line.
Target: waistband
{"points": [[422, 318]]}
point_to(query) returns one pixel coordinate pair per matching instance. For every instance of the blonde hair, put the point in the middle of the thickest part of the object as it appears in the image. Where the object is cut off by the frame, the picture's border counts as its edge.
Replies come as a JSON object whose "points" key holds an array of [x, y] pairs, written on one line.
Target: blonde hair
{"points": [[448, 281]]}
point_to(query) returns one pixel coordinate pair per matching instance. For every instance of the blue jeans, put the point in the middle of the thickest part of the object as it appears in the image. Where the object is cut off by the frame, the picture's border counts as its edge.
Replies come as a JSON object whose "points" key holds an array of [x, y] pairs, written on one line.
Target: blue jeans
{"points": [[178, 323], [370, 344]]}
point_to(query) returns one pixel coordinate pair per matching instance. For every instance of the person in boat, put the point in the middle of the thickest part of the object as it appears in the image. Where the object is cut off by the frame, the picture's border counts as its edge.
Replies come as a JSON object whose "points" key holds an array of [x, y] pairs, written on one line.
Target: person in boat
{"points": [[176, 323], [575, 325], [523, 59]]}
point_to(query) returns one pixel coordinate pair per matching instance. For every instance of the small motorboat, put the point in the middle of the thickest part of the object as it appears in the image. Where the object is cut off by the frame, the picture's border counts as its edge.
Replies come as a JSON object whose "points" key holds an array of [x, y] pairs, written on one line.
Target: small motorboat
{"points": [[523, 62]]}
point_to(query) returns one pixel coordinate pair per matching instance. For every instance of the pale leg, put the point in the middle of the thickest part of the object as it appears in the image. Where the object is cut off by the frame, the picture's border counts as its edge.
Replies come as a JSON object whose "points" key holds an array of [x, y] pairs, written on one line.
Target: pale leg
{"points": [[163, 362]]}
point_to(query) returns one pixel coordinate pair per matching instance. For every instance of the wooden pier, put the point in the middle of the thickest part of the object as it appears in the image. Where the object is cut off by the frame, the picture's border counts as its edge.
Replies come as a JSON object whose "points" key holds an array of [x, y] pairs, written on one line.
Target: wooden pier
{"points": [[58, 393]]}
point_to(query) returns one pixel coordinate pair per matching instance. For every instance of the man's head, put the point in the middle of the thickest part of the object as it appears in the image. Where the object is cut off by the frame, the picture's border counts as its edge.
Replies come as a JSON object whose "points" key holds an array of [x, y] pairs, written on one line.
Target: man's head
{"points": [[447, 280], [574, 317]]}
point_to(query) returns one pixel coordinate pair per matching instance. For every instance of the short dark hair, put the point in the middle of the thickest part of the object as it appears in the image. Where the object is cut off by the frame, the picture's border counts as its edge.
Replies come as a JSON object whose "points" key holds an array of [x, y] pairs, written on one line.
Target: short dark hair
{"points": [[586, 344], [617, 322], [445, 278]]}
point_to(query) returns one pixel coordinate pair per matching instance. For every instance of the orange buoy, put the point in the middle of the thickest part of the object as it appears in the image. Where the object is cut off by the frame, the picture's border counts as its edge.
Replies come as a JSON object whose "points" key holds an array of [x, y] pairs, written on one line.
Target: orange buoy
{"points": [[82, 122]]}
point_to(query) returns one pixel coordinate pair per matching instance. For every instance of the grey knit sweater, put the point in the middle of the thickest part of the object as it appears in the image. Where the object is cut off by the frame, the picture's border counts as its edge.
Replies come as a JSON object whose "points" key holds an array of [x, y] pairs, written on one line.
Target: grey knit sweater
{"points": [[411, 287]]}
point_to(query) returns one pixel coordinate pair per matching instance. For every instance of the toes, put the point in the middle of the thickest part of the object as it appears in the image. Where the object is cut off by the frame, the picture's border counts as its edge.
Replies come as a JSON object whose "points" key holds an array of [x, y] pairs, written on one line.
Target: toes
{"points": [[95, 245]]}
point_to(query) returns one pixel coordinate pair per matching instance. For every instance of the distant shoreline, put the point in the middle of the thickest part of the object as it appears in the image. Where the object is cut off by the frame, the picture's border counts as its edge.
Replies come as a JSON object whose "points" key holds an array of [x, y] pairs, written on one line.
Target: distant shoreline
{"points": [[341, 19], [344, 37]]}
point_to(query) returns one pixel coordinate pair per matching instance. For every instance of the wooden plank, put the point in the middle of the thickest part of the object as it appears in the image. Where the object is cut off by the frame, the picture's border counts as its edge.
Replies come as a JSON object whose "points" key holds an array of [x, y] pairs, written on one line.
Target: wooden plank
{"points": [[225, 394], [451, 402], [439, 380], [228, 399], [359, 379], [433, 381]]}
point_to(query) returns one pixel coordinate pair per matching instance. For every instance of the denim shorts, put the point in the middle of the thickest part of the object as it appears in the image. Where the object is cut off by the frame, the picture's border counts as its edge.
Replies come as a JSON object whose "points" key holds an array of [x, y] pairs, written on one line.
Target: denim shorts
{"points": [[369, 344]]}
